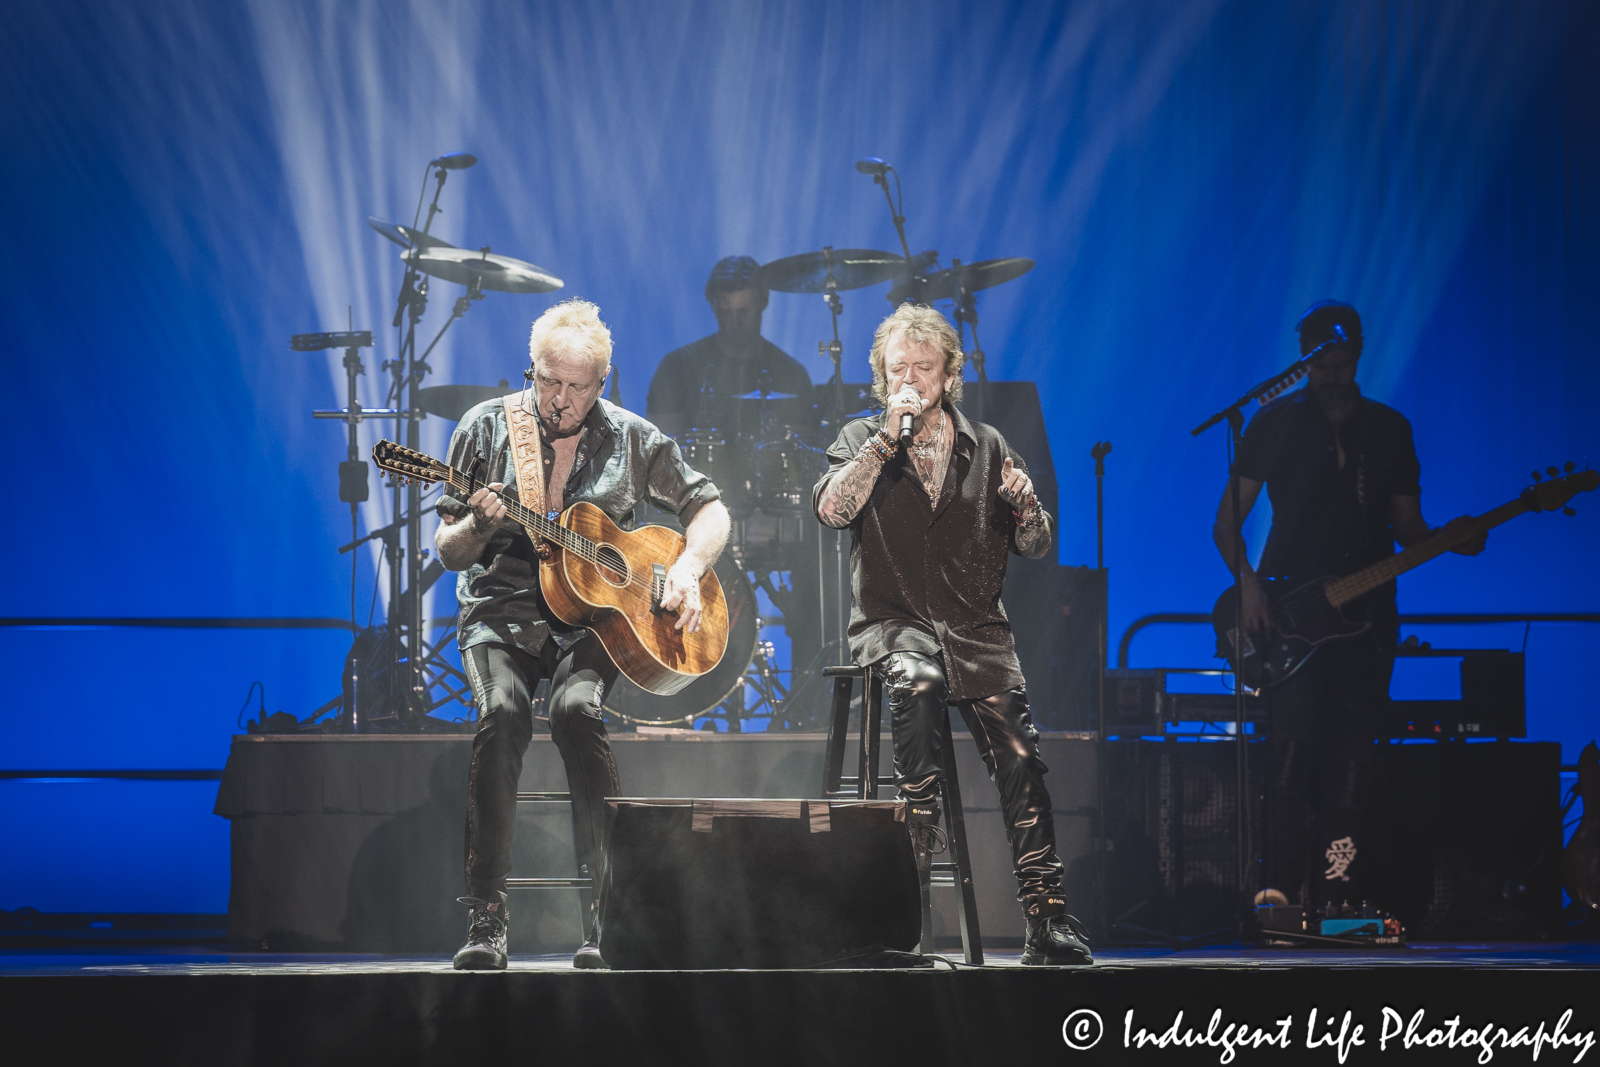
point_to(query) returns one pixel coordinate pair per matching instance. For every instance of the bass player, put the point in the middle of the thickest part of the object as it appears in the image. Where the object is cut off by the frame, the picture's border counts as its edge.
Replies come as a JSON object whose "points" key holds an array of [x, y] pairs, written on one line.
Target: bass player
{"points": [[1341, 473], [560, 442]]}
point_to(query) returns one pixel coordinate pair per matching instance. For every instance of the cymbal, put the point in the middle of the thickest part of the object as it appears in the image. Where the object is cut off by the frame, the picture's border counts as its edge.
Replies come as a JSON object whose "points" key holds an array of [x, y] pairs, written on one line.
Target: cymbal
{"points": [[405, 236], [763, 394], [500, 273], [852, 268], [453, 401], [970, 277]]}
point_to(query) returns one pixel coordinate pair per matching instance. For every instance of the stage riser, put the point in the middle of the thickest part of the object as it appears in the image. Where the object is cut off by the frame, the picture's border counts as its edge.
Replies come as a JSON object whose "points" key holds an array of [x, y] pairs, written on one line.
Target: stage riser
{"points": [[992, 1016], [309, 879]]}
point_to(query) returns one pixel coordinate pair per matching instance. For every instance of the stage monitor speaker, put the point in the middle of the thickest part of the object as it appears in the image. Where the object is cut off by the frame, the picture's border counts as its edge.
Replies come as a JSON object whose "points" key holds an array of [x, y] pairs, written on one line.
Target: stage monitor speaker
{"points": [[710, 884]]}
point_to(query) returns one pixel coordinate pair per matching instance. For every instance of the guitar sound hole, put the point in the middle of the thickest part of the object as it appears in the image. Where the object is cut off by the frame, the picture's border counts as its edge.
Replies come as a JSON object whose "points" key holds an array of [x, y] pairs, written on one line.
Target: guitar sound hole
{"points": [[613, 565]]}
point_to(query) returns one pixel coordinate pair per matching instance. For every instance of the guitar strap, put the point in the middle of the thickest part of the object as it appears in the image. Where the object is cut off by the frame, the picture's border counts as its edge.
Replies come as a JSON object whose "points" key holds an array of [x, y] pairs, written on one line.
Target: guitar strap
{"points": [[527, 455]]}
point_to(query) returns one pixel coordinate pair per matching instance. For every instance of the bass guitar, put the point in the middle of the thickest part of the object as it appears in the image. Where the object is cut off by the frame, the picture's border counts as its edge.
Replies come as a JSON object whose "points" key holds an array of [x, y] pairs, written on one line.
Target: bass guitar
{"points": [[596, 575], [1304, 616]]}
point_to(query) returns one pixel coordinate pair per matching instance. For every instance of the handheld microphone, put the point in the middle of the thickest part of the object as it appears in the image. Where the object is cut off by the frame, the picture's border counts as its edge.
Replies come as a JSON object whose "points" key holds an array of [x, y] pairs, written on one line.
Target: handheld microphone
{"points": [[872, 165], [905, 423], [454, 161]]}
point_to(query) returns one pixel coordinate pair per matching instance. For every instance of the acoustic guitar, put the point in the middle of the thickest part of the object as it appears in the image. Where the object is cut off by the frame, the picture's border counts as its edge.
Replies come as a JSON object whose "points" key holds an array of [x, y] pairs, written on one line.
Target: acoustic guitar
{"points": [[596, 575], [1305, 615]]}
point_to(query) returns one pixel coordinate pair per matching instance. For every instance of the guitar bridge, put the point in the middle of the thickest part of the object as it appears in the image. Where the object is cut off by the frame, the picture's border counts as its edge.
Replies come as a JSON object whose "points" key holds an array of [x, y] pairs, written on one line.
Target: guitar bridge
{"points": [[658, 587]]}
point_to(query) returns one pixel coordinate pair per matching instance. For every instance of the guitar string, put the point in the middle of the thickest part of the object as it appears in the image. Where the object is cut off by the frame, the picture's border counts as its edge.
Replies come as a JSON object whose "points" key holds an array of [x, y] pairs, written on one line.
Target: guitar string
{"points": [[565, 538], [552, 531]]}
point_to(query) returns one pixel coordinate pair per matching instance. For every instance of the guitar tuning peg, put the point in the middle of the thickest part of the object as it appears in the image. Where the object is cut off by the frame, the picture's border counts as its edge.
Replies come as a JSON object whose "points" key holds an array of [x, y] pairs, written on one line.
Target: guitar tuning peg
{"points": [[1537, 476], [1569, 466], [1552, 471], [1568, 511]]}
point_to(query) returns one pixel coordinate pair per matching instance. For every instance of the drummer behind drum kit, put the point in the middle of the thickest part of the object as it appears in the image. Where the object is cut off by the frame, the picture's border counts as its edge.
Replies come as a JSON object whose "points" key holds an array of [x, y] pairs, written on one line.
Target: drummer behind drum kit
{"points": [[395, 678]]}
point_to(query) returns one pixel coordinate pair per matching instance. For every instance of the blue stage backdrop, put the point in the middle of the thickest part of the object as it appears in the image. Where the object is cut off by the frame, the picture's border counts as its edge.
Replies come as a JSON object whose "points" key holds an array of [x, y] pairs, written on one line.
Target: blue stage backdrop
{"points": [[186, 183]]}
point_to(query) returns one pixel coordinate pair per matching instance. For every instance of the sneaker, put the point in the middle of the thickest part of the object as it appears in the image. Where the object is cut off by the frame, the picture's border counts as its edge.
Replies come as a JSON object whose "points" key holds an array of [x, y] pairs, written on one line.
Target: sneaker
{"points": [[1054, 938], [922, 823], [485, 949], [588, 957]]}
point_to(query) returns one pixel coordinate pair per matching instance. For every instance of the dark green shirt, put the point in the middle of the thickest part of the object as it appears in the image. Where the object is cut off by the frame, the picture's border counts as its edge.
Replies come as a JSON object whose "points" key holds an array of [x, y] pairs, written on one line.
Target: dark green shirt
{"points": [[621, 460]]}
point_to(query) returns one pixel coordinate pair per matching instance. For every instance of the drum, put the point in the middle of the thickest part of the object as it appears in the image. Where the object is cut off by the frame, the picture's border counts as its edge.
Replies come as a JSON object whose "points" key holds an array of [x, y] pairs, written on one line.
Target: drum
{"points": [[786, 471], [708, 451], [712, 688]]}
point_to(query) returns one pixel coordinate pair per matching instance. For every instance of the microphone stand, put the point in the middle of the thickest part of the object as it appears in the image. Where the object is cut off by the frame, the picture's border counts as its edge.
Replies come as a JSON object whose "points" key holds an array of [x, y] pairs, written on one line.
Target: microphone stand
{"points": [[405, 604], [1234, 414], [966, 314]]}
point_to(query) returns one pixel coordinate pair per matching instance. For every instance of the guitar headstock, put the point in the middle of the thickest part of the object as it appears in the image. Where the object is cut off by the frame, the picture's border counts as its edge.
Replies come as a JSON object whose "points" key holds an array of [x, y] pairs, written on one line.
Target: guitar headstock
{"points": [[408, 463], [1553, 494]]}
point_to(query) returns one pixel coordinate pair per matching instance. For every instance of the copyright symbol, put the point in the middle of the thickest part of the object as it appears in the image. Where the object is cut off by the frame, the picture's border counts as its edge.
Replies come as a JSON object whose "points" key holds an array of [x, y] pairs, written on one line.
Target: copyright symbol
{"points": [[1082, 1029]]}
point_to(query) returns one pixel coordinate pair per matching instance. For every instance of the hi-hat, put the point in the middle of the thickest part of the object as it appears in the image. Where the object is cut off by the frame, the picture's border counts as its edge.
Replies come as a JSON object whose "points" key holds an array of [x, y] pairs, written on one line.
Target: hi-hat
{"points": [[851, 268], [405, 236], [466, 266], [959, 280]]}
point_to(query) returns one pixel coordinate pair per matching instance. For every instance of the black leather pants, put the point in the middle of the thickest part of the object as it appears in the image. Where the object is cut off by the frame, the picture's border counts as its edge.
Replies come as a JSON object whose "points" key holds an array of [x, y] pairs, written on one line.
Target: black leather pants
{"points": [[917, 694], [503, 679], [1321, 835]]}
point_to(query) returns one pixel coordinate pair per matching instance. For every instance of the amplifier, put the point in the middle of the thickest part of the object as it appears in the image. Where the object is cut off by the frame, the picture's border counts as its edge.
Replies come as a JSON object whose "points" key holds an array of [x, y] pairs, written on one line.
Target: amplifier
{"points": [[1493, 699], [1145, 700]]}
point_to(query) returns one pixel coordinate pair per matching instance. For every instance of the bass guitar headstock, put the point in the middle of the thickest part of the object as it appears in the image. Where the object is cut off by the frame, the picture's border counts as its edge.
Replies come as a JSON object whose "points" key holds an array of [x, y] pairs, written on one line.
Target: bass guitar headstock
{"points": [[1553, 494], [408, 464]]}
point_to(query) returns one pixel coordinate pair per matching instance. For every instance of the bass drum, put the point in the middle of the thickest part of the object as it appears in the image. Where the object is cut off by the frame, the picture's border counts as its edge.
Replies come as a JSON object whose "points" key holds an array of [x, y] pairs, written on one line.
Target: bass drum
{"points": [[712, 688]]}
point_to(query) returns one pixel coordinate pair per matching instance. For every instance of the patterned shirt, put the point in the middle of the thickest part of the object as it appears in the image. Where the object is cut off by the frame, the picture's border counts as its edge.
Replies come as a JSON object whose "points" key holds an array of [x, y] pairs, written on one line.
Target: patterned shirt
{"points": [[926, 578], [621, 460]]}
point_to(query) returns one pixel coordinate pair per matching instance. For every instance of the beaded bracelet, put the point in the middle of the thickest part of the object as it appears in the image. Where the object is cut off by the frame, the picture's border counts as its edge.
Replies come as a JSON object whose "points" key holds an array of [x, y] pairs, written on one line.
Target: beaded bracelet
{"points": [[879, 444], [1031, 516]]}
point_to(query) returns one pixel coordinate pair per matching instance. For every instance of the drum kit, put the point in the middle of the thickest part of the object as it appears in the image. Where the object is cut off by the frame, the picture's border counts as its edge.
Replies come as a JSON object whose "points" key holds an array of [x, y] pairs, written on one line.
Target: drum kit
{"points": [[765, 478]]}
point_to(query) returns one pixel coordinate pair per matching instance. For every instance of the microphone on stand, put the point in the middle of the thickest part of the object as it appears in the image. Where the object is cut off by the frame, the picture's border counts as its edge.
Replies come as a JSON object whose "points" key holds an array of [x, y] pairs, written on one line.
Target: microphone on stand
{"points": [[873, 165], [454, 161]]}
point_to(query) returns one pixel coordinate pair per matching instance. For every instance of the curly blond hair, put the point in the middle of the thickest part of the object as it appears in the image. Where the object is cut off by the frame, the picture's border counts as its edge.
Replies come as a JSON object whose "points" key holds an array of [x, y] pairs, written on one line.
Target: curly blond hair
{"points": [[572, 325], [921, 325]]}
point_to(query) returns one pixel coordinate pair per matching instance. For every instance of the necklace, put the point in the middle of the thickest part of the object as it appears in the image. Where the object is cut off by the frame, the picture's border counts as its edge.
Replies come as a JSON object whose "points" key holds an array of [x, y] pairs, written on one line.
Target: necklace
{"points": [[926, 448]]}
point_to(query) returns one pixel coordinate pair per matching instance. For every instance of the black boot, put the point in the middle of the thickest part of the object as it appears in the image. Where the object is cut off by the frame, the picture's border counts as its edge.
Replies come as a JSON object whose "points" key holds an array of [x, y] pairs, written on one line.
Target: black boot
{"points": [[922, 823], [1054, 938], [588, 957], [485, 949]]}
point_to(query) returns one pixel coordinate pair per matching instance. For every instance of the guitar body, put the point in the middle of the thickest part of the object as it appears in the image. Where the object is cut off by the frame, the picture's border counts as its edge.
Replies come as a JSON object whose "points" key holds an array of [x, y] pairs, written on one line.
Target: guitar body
{"points": [[1302, 620], [645, 646]]}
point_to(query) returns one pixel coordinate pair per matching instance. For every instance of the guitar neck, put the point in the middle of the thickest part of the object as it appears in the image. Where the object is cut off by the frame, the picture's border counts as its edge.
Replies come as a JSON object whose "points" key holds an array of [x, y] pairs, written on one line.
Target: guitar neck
{"points": [[1343, 590], [538, 527]]}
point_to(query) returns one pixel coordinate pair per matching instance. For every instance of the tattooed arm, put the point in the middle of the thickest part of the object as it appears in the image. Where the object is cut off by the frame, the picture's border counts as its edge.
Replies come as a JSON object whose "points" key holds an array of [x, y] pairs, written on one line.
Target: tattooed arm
{"points": [[846, 489], [855, 461], [1031, 528]]}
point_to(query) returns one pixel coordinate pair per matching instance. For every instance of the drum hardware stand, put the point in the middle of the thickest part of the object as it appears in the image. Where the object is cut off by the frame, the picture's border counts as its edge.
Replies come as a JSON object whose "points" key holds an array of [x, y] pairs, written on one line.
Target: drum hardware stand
{"points": [[416, 666], [966, 314]]}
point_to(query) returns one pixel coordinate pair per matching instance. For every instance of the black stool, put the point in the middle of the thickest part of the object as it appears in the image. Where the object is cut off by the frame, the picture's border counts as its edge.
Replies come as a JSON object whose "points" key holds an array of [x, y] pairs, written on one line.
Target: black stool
{"points": [[956, 874], [586, 885]]}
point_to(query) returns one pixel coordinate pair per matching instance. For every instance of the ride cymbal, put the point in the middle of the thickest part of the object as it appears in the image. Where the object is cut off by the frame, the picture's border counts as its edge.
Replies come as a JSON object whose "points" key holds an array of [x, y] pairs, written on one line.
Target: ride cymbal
{"points": [[466, 266], [964, 277], [851, 268], [405, 236]]}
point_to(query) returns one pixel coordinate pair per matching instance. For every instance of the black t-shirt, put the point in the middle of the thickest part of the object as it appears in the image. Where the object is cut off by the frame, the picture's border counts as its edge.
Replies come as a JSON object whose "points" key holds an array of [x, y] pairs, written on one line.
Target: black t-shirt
{"points": [[700, 383], [1326, 520]]}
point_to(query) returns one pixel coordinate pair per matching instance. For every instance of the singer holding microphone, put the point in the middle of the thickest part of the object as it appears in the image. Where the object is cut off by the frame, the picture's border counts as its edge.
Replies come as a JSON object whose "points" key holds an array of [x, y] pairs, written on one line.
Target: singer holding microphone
{"points": [[934, 504], [560, 438]]}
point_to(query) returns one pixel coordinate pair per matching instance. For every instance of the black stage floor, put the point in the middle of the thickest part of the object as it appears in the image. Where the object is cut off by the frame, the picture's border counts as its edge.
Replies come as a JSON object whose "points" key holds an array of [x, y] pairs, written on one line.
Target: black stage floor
{"points": [[1530, 1002]]}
